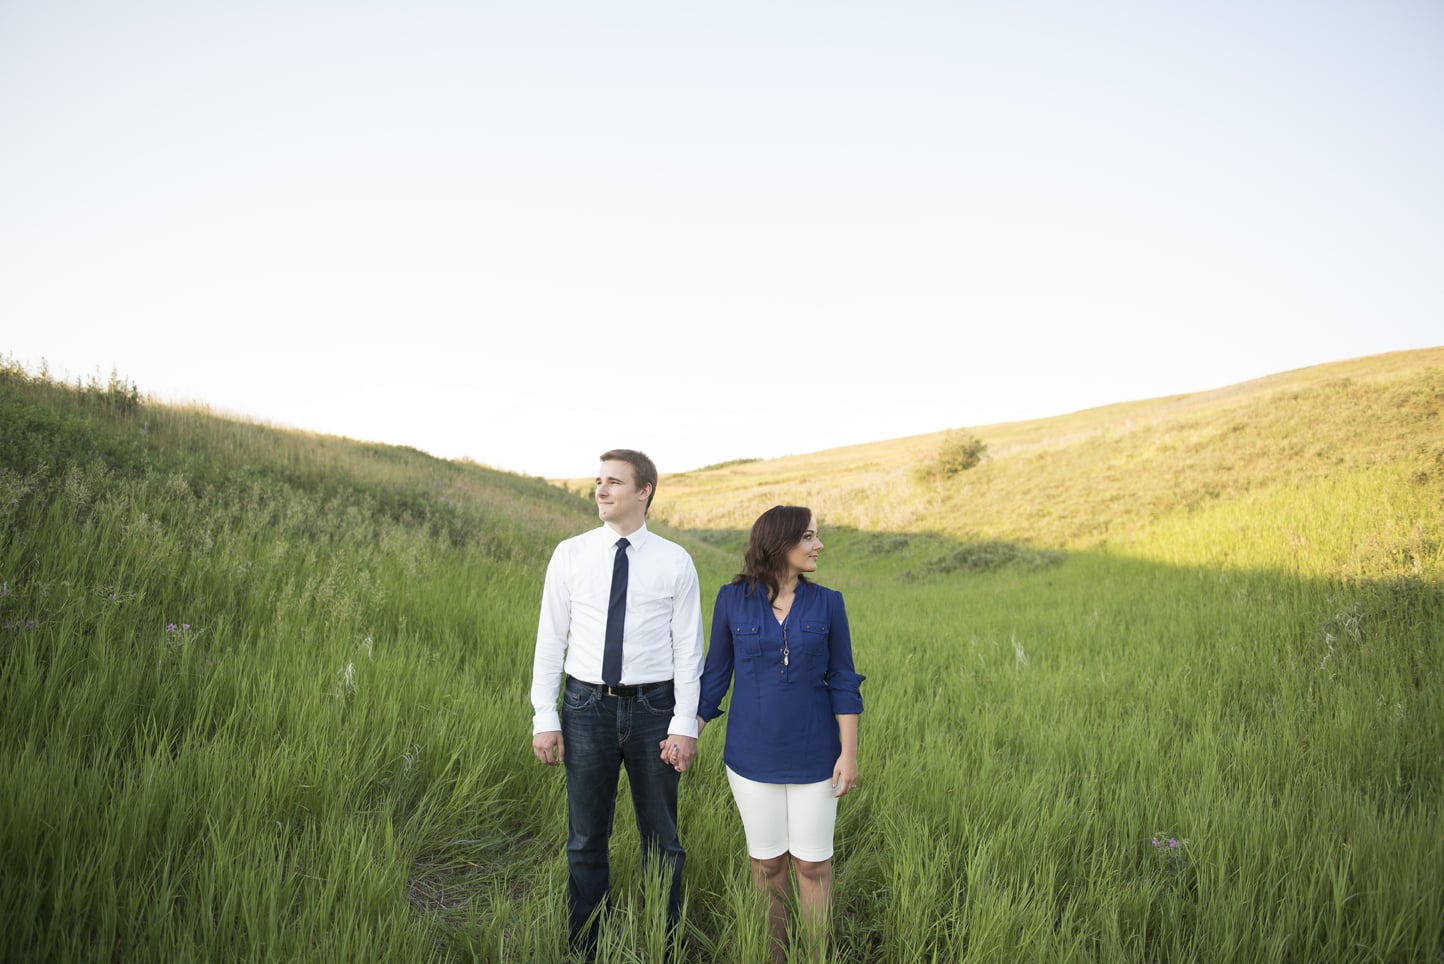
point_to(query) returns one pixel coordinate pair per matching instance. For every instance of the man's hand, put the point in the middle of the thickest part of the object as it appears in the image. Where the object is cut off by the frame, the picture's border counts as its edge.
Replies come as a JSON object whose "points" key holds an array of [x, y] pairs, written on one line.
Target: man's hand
{"points": [[548, 747], [679, 751]]}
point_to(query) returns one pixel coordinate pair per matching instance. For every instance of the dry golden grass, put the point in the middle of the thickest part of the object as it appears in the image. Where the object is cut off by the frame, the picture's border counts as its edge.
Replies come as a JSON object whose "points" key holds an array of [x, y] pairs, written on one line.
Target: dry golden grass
{"points": [[1086, 477]]}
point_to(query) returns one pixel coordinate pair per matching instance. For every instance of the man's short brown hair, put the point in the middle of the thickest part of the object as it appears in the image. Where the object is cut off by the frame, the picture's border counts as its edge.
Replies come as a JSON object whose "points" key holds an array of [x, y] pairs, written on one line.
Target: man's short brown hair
{"points": [[645, 469]]}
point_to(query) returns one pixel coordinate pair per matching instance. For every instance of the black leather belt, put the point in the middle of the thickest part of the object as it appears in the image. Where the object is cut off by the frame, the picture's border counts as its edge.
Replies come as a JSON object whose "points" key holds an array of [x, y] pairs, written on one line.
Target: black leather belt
{"points": [[623, 692]]}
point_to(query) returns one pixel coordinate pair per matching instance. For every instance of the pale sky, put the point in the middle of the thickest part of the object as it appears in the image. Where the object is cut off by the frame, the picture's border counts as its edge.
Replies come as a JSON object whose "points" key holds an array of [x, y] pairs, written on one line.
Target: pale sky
{"points": [[526, 232]]}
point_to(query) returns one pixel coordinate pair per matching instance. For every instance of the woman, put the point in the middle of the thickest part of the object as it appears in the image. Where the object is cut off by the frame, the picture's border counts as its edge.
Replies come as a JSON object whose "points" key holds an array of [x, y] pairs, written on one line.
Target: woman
{"points": [[792, 734]]}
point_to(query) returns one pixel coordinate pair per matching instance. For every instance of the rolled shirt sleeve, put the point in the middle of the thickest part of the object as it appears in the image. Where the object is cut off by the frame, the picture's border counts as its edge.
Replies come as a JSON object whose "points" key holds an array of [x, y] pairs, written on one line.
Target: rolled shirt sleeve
{"points": [[844, 683]]}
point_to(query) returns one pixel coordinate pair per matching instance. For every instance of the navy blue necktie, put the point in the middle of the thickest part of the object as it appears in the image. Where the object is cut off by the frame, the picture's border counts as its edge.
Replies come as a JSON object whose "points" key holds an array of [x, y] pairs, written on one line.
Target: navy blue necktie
{"points": [[616, 616]]}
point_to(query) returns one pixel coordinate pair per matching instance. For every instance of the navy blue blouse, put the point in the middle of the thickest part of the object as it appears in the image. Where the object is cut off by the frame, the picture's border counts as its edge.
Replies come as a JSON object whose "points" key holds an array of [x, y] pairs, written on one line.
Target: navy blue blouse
{"points": [[783, 724]]}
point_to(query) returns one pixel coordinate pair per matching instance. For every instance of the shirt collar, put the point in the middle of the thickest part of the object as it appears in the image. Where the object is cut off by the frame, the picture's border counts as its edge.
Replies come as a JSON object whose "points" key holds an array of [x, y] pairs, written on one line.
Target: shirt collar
{"points": [[636, 539]]}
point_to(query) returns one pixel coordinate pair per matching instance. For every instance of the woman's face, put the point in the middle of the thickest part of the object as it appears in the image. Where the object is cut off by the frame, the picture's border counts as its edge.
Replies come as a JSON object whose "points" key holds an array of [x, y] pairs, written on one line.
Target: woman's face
{"points": [[803, 556]]}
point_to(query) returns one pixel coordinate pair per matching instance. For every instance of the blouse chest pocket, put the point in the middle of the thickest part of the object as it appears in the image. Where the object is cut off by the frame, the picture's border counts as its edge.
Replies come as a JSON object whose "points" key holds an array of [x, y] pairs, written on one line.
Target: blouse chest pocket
{"points": [[813, 637], [747, 639]]}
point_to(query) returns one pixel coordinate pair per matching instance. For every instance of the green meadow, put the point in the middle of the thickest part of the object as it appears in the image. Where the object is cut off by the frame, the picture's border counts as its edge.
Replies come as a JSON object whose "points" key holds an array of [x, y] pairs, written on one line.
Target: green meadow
{"points": [[1154, 682]]}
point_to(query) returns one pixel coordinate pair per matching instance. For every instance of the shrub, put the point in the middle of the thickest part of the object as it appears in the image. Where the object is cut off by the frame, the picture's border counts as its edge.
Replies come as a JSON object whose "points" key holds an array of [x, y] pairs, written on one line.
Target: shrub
{"points": [[990, 555], [959, 451]]}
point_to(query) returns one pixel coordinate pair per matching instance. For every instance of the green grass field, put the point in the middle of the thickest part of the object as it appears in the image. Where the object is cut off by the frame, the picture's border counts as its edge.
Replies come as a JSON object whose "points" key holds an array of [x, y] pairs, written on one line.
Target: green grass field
{"points": [[1157, 682]]}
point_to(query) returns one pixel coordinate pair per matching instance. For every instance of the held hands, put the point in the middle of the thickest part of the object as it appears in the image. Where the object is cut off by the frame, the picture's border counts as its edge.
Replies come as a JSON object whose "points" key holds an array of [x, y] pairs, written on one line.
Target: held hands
{"points": [[844, 775], [678, 751]]}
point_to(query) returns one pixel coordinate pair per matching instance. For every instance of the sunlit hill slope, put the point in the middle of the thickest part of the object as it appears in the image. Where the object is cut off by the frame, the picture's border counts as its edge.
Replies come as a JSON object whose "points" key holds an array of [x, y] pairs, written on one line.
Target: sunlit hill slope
{"points": [[1104, 474]]}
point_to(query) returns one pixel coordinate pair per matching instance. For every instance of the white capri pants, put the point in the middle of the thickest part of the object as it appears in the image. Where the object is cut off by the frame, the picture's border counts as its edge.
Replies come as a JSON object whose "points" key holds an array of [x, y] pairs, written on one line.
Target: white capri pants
{"points": [[779, 818]]}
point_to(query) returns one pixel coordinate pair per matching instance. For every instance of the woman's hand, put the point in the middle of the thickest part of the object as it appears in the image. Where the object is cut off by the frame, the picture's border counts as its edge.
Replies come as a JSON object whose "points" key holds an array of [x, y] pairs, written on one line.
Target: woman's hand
{"points": [[844, 775]]}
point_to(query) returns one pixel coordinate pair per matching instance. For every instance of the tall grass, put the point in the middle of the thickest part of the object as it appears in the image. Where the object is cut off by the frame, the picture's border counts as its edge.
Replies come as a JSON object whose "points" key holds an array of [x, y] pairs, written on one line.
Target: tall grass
{"points": [[265, 698], [1036, 742]]}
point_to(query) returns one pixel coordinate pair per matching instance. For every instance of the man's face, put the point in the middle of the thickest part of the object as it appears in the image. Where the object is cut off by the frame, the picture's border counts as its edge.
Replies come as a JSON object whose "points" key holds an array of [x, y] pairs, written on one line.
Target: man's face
{"points": [[619, 502]]}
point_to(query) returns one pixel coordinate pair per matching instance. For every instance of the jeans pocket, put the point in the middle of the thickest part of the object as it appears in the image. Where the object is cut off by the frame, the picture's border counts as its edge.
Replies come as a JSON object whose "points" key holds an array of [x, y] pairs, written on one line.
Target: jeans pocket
{"points": [[661, 702], [578, 697]]}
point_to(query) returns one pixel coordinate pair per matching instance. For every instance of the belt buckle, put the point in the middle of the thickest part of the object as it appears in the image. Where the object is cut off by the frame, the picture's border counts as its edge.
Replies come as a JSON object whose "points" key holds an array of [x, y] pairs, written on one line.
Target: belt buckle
{"points": [[615, 690]]}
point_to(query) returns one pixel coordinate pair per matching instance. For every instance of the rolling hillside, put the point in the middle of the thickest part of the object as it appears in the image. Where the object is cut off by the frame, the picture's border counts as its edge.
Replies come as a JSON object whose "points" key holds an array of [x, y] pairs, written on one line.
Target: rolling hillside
{"points": [[1102, 474]]}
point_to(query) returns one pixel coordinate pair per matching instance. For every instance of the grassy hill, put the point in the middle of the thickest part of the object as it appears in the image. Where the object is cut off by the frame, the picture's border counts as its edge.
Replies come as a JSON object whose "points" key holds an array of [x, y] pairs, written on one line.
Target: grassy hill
{"points": [[1158, 681], [1102, 474]]}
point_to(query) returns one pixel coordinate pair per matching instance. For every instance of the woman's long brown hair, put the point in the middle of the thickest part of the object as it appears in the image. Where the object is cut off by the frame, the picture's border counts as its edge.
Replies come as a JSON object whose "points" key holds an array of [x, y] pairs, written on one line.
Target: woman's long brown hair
{"points": [[773, 535]]}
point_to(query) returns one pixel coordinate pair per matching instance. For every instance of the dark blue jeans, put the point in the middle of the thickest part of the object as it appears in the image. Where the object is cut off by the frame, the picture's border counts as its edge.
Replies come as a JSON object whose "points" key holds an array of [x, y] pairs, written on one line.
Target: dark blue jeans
{"points": [[601, 735]]}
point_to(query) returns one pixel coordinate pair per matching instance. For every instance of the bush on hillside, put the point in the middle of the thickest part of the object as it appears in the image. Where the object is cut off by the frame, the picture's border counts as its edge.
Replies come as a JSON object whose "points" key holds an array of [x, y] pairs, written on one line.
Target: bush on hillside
{"points": [[959, 451], [990, 555]]}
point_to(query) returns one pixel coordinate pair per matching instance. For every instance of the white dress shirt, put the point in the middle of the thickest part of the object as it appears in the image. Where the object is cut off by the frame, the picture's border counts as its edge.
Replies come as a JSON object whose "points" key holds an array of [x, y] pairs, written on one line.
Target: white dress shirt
{"points": [[662, 637]]}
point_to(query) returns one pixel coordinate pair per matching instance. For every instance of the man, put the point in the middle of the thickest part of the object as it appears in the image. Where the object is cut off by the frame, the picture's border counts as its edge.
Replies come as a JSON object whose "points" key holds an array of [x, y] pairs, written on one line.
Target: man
{"points": [[621, 624]]}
